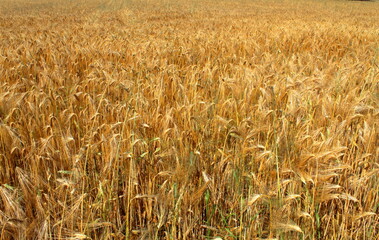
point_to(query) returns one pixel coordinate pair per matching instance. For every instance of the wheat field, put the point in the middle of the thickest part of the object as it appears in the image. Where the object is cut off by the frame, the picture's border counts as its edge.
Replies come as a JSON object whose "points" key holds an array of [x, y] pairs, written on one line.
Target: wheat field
{"points": [[199, 119]]}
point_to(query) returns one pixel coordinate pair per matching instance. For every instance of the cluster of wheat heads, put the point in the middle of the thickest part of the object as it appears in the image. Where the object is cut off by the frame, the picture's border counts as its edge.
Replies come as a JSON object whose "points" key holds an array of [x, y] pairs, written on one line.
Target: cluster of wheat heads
{"points": [[247, 120]]}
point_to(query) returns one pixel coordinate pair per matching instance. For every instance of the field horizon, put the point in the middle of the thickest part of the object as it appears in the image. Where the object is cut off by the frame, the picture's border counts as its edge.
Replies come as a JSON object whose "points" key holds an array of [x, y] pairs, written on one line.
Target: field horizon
{"points": [[147, 119]]}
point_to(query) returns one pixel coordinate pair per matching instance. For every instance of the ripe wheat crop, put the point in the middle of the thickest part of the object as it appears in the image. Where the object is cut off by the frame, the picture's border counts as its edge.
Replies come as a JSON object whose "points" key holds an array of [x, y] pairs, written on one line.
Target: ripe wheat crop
{"points": [[189, 119]]}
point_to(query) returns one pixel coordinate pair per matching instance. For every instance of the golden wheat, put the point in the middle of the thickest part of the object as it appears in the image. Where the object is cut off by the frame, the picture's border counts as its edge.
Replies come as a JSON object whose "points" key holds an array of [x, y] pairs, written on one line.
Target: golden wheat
{"points": [[189, 120]]}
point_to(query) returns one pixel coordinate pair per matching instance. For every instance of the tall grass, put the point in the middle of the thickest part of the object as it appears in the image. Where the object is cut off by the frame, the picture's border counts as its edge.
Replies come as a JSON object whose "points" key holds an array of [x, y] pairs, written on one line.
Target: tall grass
{"points": [[189, 120]]}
